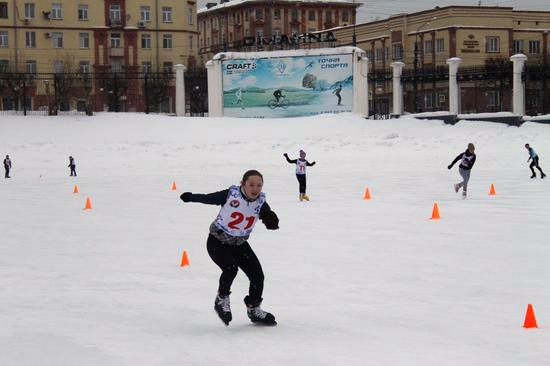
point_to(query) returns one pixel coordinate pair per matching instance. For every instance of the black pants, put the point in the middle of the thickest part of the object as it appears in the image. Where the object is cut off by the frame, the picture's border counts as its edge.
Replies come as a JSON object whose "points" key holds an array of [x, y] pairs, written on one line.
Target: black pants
{"points": [[301, 182], [535, 163], [73, 170], [7, 175], [232, 257]]}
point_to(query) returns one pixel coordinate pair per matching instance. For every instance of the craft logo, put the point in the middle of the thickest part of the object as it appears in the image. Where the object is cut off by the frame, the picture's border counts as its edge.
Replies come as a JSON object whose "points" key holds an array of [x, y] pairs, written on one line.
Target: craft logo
{"points": [[281, 66], [237, 68], [234, 203]]}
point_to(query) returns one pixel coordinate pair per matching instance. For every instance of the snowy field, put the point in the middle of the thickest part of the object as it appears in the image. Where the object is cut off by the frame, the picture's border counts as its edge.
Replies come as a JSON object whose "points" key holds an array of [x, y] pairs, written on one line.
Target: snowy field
{"points": [[350, 281]]}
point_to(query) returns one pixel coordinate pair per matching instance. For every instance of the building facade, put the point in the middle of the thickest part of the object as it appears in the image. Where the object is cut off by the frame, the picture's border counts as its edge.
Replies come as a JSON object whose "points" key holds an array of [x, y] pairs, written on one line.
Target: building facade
{"points": [[257, 25], [127, 38], [483, 37]]}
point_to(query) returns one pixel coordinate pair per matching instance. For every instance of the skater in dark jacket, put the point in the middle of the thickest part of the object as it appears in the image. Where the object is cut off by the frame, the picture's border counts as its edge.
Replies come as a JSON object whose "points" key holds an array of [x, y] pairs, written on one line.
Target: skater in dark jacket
{"points": [[228, 245], [72, 165], [533, 156], [301, 164], [7, 166], [467, 160]]}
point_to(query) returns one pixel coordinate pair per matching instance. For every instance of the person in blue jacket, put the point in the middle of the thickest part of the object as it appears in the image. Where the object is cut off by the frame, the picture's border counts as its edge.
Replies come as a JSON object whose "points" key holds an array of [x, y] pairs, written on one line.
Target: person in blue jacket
{"points": [[533, 156], [227, 244]]}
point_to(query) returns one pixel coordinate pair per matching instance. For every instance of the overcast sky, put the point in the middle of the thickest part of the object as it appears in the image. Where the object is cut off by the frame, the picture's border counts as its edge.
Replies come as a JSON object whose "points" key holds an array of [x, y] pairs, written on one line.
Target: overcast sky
{"points": [[381, 9]]}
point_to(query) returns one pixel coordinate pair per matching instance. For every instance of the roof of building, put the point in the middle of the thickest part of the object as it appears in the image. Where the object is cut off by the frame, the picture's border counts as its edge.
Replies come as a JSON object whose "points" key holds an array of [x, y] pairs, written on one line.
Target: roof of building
{"points": [[231, 3]]}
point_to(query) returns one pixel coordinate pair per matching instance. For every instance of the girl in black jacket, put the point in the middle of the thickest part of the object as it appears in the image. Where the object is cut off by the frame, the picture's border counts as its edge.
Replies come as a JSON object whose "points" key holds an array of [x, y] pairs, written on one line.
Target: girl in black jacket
{"points": [[228, 246], [467, 160]]}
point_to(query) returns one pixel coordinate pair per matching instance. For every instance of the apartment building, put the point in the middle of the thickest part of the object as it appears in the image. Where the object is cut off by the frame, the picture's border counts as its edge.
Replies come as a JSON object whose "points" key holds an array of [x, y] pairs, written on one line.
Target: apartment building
{"points": [[99, 36], [249, 25]]}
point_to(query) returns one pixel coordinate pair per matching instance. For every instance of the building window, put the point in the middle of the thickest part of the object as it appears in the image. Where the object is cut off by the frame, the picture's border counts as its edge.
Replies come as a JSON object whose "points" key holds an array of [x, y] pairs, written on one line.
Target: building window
{"points": [[146, 67], [84, 67], [328, 16], [116, 40], [277, 14], [4, 65], [58, 66], [311, 15], [116, 67], [429, 100], [518, 46], [167, 67], [379, 54], [57, 38], [146, 41], [238, 18], [114, 13], [534, 47], [259, 14], [167, 41], [439, 45], [294, 15], [30, 67], [246, 16], [345, 16], [3, 38], [494, 98], [369, 54], [167, 14], [145, 13], [57, 11], [190, 42], [82, 12], [29, 11], [30, 39], [428, 47], [84, 40], [3, 10], [190, 16], [492, 44], [397, 51]]}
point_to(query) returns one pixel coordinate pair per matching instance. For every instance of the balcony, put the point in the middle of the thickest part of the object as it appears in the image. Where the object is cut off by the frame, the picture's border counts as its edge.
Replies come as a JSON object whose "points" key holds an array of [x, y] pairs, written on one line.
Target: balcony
{"points": [[115, 23], [116, 52]]}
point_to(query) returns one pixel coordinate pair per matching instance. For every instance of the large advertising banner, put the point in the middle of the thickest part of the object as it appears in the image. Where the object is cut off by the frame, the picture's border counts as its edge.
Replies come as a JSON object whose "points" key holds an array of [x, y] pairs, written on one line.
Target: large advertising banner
{"points": [[287, 86]]}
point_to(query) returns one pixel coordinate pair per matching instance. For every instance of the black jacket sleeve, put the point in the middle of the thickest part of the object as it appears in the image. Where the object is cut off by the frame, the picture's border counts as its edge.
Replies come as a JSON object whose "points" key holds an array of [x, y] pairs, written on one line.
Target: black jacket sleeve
{"points": [[291, 161], [457, 159], [216, 198], [268, 217], [310, 164]]}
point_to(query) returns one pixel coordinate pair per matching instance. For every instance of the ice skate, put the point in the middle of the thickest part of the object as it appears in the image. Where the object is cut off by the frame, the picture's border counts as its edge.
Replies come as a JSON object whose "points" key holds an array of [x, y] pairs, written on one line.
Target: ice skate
{"points": [[257, 315], [223, 308], [533, 176], [457, 187], [543, 176], [463, 194], [306, 197], [301, 197]]}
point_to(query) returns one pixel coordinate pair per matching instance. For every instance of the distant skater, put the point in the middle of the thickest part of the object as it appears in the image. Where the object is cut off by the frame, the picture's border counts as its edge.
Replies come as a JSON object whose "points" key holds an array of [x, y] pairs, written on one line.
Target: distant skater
{"points": [[467, 160], [337, 91], [533, 156], [7, 166], [72, 165], [301, 164], [227, 244]]}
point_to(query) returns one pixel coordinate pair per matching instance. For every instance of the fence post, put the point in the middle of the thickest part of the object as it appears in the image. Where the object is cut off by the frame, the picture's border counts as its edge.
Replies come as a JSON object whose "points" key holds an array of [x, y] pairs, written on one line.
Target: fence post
{"points": [[180, 90], [397, 88], [453, 63], [518, 100]]}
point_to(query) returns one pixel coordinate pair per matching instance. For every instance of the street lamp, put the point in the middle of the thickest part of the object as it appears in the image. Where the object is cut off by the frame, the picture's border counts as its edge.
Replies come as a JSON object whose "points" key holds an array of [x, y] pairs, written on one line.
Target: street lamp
{"points": [[354, 36], [415, 66]]}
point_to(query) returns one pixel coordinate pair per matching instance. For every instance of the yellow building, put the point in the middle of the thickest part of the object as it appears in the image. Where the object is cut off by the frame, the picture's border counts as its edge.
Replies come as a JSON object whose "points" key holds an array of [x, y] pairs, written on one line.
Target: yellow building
{"points": [[479, 35], [250, 25], [121, 36]]}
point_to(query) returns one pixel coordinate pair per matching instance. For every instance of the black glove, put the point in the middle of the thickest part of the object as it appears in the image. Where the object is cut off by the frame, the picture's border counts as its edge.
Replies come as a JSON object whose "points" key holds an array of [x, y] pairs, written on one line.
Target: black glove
{"points": [[313, 163], [449, 167], [285, 154], [186, 196], [271, 221]]}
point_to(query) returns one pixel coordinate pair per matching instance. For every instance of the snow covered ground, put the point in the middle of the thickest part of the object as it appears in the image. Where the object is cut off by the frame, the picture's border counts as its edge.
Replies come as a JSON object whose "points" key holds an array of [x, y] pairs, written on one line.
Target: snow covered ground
{"points": [[350, 281]]}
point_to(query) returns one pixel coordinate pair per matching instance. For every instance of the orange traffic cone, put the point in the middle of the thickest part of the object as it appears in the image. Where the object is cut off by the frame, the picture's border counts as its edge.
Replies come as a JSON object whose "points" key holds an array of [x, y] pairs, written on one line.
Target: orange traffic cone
{"points": [[435, 212], [184, 259], [530, 321], [367, 194], [88, 204], [174, 186], [75, 189], [492, 190]]}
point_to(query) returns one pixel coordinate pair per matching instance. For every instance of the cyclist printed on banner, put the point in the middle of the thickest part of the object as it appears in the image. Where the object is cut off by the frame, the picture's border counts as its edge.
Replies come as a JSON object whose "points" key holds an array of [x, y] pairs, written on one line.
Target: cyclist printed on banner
{"points": [[279, 100]]}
